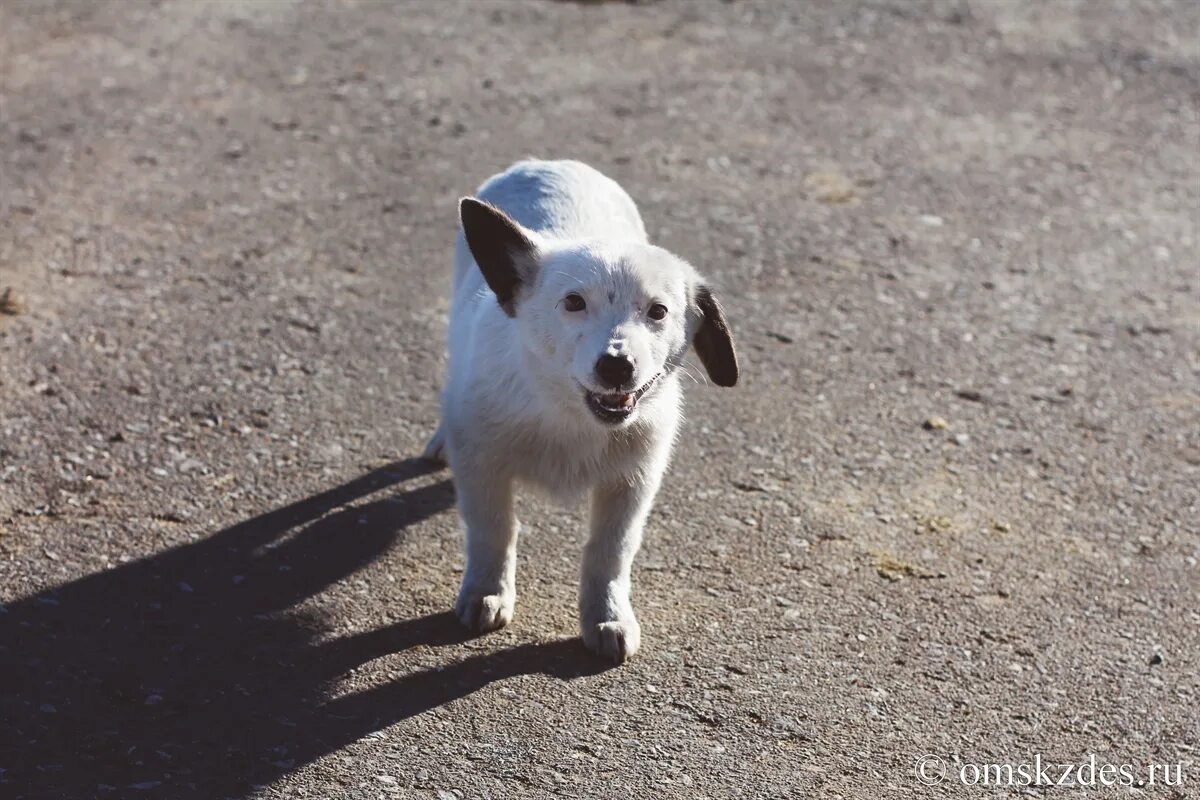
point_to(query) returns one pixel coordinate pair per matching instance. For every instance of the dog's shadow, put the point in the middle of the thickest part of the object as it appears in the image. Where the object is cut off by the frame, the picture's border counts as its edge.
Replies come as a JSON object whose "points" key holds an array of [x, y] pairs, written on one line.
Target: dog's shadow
{"points": [[191, 674]]}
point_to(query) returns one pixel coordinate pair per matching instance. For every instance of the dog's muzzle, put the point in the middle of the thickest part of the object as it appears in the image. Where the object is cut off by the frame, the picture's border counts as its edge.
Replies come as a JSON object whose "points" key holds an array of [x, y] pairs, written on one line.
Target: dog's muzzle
{"points": [[616, 407]]}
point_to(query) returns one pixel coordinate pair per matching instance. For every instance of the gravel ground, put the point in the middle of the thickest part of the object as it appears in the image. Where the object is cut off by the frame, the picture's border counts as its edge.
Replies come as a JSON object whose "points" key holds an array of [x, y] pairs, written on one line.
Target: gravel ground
{"points": [[953, 510]]}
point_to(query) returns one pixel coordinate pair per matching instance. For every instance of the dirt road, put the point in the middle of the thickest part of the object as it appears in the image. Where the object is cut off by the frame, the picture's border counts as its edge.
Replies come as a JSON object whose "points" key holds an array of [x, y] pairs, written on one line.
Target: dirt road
{"points": [[952, 511]]}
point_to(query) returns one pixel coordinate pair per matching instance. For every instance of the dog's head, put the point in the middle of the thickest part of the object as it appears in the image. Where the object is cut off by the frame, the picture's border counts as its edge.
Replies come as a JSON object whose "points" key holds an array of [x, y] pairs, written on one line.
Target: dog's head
{"points": [[604, 321]]}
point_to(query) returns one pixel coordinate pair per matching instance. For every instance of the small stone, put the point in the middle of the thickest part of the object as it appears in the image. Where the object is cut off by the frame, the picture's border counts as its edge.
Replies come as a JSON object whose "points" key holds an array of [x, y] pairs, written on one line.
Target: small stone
{"points": [[387, 779], [961, 439], [830, 186], [10, 303], [190, 465], [893, 569], [932, 220], [933, 524], [935, 424]]}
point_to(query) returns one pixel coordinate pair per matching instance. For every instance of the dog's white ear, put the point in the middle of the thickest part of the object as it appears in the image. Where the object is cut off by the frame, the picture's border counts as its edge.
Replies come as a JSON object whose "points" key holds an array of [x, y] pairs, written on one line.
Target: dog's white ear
{"points": [[713, 341], [505, 252]]}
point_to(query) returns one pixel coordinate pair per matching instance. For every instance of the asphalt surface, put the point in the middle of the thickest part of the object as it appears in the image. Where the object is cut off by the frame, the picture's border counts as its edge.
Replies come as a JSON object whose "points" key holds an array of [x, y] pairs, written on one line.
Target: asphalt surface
{"points": [[952, 510]]}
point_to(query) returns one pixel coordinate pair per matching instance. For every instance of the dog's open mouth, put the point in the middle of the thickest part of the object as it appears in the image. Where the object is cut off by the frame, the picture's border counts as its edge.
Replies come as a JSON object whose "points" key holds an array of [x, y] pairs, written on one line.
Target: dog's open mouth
{"points": [[615, 407]]}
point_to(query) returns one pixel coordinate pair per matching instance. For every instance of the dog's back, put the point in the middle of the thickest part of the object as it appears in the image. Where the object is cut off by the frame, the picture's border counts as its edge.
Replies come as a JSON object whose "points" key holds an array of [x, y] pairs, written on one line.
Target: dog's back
{"points": [[563, 199]]}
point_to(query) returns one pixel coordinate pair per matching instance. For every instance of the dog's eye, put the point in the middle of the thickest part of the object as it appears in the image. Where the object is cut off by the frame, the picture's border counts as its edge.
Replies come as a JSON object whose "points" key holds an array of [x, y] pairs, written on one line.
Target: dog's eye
{"points": [[658, 312], [573, 302]]}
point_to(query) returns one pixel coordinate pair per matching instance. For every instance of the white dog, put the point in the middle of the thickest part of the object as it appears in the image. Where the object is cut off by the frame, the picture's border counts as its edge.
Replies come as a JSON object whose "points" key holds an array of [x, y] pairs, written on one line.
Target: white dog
{"points": [[567, 332]]}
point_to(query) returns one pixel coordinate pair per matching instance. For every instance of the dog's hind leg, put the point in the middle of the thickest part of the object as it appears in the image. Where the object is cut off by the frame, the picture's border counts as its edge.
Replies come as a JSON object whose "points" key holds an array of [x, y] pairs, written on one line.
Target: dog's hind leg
{"points": [[435, 451]]}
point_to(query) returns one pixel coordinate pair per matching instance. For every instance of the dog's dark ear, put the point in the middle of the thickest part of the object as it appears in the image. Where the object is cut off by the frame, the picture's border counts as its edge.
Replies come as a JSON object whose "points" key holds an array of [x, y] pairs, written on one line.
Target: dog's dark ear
{"points": [[713, 341], [506, 255]]}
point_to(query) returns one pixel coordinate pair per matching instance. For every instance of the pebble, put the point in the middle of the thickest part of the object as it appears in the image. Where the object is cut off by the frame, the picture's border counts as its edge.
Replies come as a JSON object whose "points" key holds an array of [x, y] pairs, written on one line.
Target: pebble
{"points": [[830, 186], [935, 424], [11, 303]]}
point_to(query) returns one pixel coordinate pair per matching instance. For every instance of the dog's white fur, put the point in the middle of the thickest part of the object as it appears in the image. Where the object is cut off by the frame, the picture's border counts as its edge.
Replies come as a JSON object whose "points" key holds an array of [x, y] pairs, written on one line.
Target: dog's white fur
{"points": [[521, 365]]}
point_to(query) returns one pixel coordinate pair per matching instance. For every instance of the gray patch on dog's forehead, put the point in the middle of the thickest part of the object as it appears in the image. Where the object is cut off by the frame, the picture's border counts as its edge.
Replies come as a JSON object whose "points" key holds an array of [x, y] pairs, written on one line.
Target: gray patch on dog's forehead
{"points": [[581, 266], [624, 271], [631, 281], [653, 271]]}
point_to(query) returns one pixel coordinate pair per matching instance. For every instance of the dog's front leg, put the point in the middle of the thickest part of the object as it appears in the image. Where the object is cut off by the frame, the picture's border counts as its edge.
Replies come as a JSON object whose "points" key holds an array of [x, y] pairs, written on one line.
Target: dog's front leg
{"points": [[489, 590], [606, 616]]}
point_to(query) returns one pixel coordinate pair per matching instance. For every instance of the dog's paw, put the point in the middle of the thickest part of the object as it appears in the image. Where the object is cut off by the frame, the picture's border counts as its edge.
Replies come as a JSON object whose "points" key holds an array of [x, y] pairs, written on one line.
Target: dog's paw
{"points": [[483, 612], [615, 640], [435, 451]]}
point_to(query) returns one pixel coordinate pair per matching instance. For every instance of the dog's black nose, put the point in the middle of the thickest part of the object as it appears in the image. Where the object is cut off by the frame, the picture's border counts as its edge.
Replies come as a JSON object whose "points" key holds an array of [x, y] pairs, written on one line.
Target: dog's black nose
{"points": [[614, 371]]}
